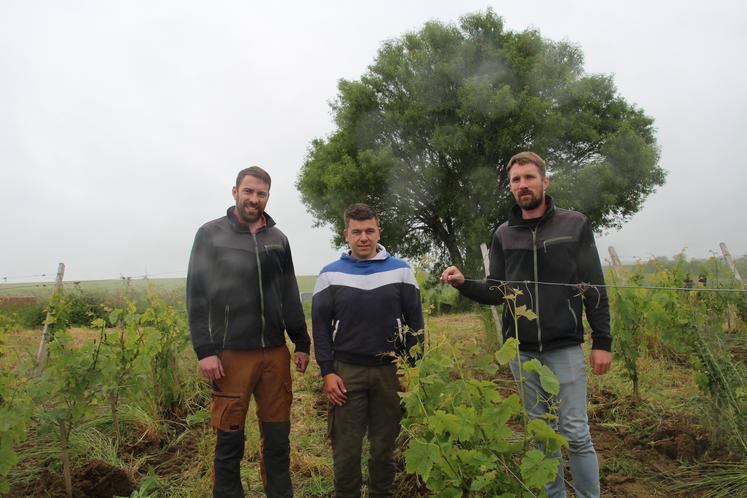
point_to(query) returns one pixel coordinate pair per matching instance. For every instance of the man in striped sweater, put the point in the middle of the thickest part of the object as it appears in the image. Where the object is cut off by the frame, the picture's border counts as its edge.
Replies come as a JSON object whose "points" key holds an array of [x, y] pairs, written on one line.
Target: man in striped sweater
{"points": [[366, 309]]}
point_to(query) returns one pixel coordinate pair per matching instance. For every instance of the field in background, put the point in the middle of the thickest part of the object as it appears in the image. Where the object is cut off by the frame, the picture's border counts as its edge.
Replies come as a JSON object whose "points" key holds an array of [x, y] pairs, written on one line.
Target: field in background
{"points": [[305, 284]]}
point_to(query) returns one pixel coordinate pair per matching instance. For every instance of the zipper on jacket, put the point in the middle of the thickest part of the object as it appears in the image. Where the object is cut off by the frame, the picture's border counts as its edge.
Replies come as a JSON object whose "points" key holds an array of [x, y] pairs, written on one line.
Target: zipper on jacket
{"points": [[536, 288], [261, 291], [226, 314], [573, 313], [210, 323]]}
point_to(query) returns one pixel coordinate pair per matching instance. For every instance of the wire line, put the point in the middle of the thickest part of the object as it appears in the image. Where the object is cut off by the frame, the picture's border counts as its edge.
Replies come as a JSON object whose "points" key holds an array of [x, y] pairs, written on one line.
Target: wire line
{"points": [[583, 286]]}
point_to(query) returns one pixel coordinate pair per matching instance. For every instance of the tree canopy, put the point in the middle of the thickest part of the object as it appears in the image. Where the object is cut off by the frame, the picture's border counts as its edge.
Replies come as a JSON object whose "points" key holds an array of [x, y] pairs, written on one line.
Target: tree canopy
{"points": [[426, 132]]}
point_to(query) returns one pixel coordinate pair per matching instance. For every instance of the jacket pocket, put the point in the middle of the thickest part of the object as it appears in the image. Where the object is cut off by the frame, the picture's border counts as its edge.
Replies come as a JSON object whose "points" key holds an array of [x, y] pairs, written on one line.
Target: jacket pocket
{"points": [[556, 240], [273, 258]]}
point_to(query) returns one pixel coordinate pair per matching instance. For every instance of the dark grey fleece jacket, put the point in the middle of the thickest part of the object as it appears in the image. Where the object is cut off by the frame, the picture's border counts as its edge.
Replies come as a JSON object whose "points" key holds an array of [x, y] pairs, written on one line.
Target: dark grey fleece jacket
{"points": [[559, 248], [241, 289]]}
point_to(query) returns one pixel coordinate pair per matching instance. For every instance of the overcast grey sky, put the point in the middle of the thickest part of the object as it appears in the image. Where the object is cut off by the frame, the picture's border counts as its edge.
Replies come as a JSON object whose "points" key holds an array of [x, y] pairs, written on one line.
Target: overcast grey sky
{"points": [[123, 124]]}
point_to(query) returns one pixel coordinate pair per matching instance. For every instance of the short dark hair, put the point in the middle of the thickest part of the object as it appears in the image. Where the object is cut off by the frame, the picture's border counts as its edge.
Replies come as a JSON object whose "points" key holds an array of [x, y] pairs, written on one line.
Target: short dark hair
{"points": [[256, 172], [360, 212], [527, 157]]}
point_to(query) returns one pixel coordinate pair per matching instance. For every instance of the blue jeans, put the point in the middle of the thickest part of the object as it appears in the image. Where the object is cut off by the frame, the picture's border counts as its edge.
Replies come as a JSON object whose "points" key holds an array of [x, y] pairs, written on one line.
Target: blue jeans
{"points": [[570, 406]]}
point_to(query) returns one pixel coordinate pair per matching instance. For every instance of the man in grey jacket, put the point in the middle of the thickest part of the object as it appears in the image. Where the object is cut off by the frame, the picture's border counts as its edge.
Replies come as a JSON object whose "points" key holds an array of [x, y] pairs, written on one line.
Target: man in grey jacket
{"points": [[242, 297], [546, 251]]}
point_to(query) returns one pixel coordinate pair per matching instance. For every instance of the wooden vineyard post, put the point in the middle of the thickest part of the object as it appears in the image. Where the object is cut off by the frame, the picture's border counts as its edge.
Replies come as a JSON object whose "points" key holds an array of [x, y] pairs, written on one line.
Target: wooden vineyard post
{"points": [[493, 309], [737, 276], [41, 356], [730, 262], [616, 264]]}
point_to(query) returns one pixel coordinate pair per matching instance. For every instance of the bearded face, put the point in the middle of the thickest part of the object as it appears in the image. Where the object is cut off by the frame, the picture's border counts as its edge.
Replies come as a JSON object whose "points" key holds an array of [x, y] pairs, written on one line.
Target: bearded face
{"points": [[251, 197]]}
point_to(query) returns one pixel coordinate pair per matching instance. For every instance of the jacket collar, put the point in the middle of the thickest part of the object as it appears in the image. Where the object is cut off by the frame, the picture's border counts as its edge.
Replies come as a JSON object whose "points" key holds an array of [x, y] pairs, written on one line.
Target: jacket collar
{"points": [[241, 227], [381, 255], [514, 217]]}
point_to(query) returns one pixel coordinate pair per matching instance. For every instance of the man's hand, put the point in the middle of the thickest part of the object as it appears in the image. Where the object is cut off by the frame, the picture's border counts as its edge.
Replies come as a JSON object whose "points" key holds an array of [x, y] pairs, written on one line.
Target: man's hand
{"points": [[600, 361], [453, 276], [301, 360], [335, 390], [211, 367]]}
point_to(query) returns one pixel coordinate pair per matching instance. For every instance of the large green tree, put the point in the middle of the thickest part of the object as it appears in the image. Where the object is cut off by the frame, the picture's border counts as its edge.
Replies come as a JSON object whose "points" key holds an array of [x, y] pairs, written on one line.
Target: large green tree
{"points": [[425, 134]]}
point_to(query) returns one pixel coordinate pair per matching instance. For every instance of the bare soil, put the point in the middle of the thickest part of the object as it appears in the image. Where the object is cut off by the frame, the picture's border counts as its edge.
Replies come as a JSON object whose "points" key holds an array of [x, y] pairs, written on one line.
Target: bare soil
{"points": [[95, 480]]}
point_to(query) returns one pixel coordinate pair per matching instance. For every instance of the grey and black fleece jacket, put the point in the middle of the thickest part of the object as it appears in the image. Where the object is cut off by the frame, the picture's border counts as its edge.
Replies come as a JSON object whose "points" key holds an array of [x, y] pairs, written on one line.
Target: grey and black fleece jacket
{"points": [[364, 309], [241, 289], [558, 248]]}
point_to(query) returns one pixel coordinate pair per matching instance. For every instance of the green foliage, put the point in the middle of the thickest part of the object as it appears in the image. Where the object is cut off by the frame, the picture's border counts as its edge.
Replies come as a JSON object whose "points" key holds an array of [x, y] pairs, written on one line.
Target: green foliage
{"points": [[26, 315], [629, 326], [134, 354], [461, 440], [69, 382], [548, 381], [712, 480], [698, 328], [424, 134], [123, 361], [15, 411], [166, 336]]}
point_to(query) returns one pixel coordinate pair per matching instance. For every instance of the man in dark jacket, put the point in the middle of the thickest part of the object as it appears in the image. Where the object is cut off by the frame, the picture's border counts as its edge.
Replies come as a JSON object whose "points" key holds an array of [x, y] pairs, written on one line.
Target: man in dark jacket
{"points": [[242, 297], [366, 308], [538, 246]]}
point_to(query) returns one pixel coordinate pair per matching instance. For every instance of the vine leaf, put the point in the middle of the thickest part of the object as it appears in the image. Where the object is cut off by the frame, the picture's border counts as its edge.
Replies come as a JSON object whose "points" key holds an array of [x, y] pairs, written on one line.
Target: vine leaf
{"points": [[541, 431], [525, 312], [507, 351], [420, 457], [548, 381], [537, 469]]}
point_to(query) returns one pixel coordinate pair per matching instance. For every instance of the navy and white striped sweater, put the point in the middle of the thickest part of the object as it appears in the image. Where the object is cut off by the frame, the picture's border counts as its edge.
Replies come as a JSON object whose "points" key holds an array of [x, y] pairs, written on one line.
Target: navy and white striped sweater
{"points": [[360, 310]]}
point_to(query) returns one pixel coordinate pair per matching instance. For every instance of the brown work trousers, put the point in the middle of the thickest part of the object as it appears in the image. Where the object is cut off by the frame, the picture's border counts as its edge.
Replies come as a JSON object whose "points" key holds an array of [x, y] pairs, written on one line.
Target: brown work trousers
{"points": [[264, 373]]}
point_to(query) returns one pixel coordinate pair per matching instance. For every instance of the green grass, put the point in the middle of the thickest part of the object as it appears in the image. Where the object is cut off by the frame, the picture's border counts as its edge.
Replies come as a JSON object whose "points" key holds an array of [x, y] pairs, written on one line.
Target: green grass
{"points": [[620, 465], [306, 282]]}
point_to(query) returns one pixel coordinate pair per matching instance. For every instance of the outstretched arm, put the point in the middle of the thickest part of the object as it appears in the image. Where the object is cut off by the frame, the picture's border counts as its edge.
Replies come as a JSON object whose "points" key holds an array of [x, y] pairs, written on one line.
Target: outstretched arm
{"points": [[483, 291]]}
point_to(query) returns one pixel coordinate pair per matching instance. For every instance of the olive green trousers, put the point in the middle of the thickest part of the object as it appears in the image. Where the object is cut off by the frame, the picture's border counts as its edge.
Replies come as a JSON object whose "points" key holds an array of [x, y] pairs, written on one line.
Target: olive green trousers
{"points": [[373, 406]]}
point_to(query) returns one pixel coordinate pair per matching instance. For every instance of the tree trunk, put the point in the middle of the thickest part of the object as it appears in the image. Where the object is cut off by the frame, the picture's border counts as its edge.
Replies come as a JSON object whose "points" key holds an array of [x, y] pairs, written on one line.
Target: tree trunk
{"points": [[450, 244], [113, 402], [65, 443]]}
